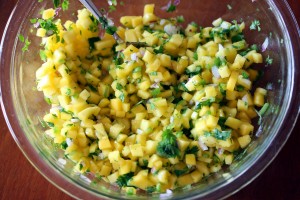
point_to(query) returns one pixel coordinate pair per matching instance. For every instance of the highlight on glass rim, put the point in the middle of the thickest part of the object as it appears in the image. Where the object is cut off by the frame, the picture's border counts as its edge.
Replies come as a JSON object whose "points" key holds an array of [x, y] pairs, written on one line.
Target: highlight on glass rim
{"points": [[164, 109]]}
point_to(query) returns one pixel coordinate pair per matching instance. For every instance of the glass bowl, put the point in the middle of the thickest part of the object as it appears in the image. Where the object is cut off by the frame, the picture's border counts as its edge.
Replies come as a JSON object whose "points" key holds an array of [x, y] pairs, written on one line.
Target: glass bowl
{"points": [[23, 106]]}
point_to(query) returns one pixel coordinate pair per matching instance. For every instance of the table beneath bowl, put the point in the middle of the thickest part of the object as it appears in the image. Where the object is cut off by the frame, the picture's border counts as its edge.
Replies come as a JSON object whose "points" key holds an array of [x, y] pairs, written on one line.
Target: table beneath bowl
{"points": [[19, 179]]}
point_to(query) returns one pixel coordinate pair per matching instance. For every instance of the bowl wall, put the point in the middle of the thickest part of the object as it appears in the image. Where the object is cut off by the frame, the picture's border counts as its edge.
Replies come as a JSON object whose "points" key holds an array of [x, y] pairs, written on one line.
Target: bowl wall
{"points": [[24, 106]]}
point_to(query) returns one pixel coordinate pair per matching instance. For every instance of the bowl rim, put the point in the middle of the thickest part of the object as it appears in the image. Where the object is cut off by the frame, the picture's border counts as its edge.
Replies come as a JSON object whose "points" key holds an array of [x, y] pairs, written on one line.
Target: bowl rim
{"points": [[66, 186]]}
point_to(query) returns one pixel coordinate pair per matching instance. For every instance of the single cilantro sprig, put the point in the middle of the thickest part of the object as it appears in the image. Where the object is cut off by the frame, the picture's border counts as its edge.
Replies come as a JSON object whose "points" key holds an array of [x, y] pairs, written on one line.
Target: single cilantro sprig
{"points": [[255, 25], [269, 60], [168, 147], [123, 180]]}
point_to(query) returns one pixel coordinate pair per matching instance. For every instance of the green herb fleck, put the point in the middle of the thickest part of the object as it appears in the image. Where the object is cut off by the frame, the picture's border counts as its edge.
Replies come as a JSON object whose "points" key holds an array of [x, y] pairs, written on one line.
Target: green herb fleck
{"points": [[49, 26], [245, 75], [33, 21], [171, 8], [221, 135], [195, 56], [92, 42], [269, 60], [123, 180], [168, 147], [180, 19], [64, 145], [119, 86], [56, 3], [137, 69], [43, 55], [50, 124], [153, 73], [26, 45], [155, 92], [122, 97], [65, 5], [192, 150], [21, 38], [151, 189], [255, 25]]}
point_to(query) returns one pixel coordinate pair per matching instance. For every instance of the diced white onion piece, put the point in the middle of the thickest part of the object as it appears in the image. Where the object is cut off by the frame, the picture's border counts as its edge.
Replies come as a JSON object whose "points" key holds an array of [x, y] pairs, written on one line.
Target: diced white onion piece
{"points": [[162, 22], [86, 179], [269, 86], [170, 29], [202, 145], [69, 142], [265, 45], [62, 161], [215, 72], [74, 120], [154, 85], [221, 47], [245, 99], [220, 151], [133, 56]]}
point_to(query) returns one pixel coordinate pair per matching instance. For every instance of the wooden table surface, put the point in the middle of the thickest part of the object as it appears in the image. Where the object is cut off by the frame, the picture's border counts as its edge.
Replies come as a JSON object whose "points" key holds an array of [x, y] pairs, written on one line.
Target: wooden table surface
{"points": [[19, 180]]}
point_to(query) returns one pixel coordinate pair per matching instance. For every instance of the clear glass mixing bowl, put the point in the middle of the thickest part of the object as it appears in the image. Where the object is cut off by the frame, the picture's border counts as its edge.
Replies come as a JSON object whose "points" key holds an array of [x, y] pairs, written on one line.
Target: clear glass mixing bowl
{"points": [[22, 105]]}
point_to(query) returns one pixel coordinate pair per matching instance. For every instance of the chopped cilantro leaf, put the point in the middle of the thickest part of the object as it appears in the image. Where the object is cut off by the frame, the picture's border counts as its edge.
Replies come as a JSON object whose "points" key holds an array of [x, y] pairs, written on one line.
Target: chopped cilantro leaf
{"points": [[180, 19], [64, 145], [65, 5], [49, 26], [221, 135], [123, 180], [119, 86], [155, 92], [111, 8], [195, 56], [168, 147], [68, 92], [92, 88], [92, 42], [245, 75], [255, 25], [221, 122], [179, 172], [240, 88], [197, 70], [237, 38], [171, 8], [33, 21], [192, 150], [182, 87], [150, 189], [153, 73], [122, 97], [56, 3], [50, 124], [26, 45], [152, 106], [159, 49], [43, 55], [21, 38], [137, 69], [269, 60], [206, 102]]}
